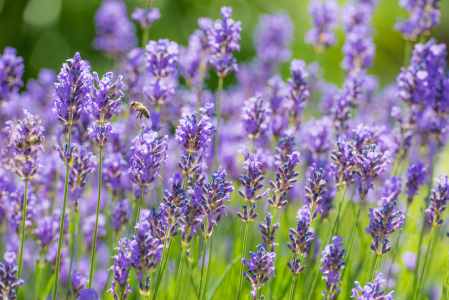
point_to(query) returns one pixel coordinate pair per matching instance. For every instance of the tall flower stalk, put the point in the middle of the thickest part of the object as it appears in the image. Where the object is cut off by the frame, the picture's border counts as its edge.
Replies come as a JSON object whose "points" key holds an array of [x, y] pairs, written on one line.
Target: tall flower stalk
{"points": [[223, 40], [106, 98], [252, 181], [72, 99]]}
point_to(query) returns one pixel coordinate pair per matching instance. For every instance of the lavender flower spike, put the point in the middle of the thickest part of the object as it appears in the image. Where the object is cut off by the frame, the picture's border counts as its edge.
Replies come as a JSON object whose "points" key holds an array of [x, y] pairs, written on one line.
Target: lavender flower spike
{"points": [[416, 175], [256, 116], [297, 91], [121, 268], [267, 234], [8, 276], [146, 17], [372, 290], [193, 134], [438, 200], [73, 91], [332, 263], [89, 294], [11, 71], [223, 40], [301, 239], [107, 97], [260, 269], [314, 191], [325, 20], [252, 181]]}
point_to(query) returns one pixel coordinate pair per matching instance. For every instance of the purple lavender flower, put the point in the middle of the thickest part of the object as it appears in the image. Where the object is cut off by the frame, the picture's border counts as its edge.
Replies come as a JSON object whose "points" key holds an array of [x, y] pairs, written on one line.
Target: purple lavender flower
{"points": [[416, 176], [113, 167], [256, 116], [383, 222], [316, 137], [15, 207], [89, 294], [193, 134], [260, 268], [79, 174], [392, 185], [89, 225], [120, 214], [372, 290], [252, 181], [285, 177], [192, 216], [344, 163], [267, 234], [148, 153], [370, 163], [121, 267], [325, 21], [79, 282], [297, 85], [315, 190], [223, 40], [284, 149], [133, 76], [213, 195], [26, 137], [301, 239], [359, 49], [332, 259], [146, 253], [11, 71], [355, 14], [437, 201], [47, 231], [73, 91], [107, 97], [161, 58], [416, 83], [115, 32], [423, 16], [273, 37], [146, 17], [8, 276]]}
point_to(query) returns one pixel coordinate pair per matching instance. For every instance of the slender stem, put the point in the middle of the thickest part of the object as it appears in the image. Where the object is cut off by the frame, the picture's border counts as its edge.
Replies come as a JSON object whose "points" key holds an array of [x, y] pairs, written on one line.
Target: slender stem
{"points": [[245, 239], [206, 283], [24, 218], [123, 293], [292, 288], [252, 145], [202, 266], [217, 133], [421, 279], [145, 37], [354, 230], [165, 255], [138, 209], [337, 222], [375, 266], [179, 275], [407, 52], [72, 250], [94, 244], [61, 225]]}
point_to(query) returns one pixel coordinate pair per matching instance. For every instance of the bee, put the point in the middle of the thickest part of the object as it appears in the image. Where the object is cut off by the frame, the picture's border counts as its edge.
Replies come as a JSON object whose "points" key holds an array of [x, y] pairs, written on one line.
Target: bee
{"points": [[34, 140], [140, 109]]}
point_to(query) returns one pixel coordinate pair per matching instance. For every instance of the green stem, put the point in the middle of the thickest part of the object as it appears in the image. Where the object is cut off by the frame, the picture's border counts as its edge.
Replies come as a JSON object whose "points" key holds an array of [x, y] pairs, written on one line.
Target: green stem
{"points": [[245, 239], [407, 52], [252, 145], [138, 209], [145, 37], [376, 265], [337, 223], [217, 133], [24, 218], [165, 255], [421, 279], [61, 225], [72, 250], [94, 244], [292, 288], [354, 231], [179, 275], [202, 265], [206, 283]]}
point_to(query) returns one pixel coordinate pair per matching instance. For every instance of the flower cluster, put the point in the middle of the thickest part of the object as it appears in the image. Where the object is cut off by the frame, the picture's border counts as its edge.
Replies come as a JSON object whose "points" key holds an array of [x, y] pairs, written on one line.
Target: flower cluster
{"points": [[223, 40], [301, 239], [284, 149], [73, 91], [115, 32], [260, 269], [268, 230], [256, 117], [438, 199], [325, 21], [120, 214], [146, 17], [11, 71], [332, 259], [372, 290], [79, 174], [298, 91], [107, 97], [193, 134], [148, 154], [315, 190], [8, 276], [416, 175]]}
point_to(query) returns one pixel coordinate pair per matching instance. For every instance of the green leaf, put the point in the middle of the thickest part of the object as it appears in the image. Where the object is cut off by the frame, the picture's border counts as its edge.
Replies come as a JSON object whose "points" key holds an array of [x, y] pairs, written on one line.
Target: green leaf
{"points": [[220, 280], [49, 285]]}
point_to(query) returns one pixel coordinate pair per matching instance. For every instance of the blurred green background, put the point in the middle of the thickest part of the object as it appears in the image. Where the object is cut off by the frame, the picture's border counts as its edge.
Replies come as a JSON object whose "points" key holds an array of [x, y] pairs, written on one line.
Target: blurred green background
{"points": [[47, 32]]}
